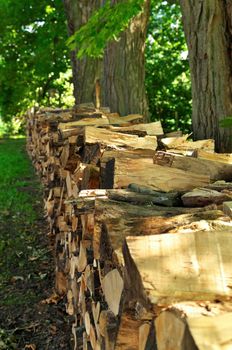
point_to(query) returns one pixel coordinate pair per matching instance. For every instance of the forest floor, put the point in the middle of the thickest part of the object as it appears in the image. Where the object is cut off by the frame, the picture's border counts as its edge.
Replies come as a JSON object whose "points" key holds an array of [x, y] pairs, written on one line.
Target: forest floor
{"points": [[27, 318]]}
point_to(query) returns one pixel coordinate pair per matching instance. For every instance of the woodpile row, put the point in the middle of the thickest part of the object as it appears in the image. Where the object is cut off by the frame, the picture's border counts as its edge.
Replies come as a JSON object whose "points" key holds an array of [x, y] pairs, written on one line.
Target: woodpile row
{"points": [[142, 230]]}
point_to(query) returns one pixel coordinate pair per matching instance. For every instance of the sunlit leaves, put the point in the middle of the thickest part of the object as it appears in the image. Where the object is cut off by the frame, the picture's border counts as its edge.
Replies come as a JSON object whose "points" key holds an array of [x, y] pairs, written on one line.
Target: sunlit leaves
{"points": [[167, 69], [32, 51], [103, 26]]}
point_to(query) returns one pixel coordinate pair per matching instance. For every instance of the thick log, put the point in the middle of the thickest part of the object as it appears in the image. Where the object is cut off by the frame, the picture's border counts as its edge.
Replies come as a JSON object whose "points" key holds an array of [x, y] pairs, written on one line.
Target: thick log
{"points": [[201, 197], [152, 129], [115, 220], [162, 269], [194, 326], [218, 157], [216, 170], [181, 143], [115, 139], [125, 171]]}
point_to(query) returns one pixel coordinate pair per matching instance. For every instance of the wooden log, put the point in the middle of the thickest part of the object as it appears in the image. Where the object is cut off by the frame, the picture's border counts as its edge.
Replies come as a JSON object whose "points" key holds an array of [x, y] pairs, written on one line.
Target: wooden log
{"points": [[172, 333], [141, 195], [181, 143], [194, 326], [200, 197], [125, 171], [112, 285], [227, 208], [216, 170], [115, 119], [116, 139], [218, 157], [114, 221], [162, 269], [152, 129]]}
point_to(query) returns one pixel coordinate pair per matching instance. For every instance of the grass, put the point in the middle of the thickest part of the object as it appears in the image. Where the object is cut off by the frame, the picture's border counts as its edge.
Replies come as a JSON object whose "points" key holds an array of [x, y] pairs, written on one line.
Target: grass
{"points": [[15, 171], [18, 196], [26, 263]]}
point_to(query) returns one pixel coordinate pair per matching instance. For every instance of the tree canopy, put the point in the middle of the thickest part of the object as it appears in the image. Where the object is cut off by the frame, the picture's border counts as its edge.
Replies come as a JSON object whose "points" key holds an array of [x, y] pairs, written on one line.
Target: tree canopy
{"points": [[34, 55]]}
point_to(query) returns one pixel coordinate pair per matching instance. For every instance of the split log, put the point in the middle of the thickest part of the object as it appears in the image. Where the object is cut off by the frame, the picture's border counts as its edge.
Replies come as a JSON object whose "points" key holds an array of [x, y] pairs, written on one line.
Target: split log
{"points": [[181, 143], [216, 170], [124, 171], [151, 129], [201, 197], [218, 157], [163, 269], [115, 220], [116, 139], [227, 208], [194, 326]]}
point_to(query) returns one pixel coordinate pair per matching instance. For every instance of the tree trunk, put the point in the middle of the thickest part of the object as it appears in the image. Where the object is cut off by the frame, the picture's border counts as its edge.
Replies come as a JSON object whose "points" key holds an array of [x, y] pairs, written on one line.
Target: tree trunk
{"points": [[121, 72], [208, 31], [86, 71], [124, 71]]}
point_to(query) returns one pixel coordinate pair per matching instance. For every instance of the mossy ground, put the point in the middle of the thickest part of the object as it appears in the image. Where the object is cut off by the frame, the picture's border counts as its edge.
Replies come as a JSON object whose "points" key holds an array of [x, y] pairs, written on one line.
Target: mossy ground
{"points": [[26, 263]]}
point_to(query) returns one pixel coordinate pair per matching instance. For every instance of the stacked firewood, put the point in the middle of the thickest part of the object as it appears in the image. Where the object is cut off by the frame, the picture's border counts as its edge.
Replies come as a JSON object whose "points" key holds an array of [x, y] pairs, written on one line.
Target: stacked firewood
{"points": [[142, 230]]}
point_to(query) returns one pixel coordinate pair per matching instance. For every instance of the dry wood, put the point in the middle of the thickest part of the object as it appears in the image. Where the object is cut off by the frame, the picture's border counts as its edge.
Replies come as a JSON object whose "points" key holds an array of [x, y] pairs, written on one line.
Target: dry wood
{"points": [[116, 139], [115, 220], [181, 143], [143, 172], [164, 268], [193, 326], [89, 228], [216, 170], [152, 129], [128, 333], [112, 285], [200, 197], [131, 118], [227, 208], [218, 157], [172, 333]]}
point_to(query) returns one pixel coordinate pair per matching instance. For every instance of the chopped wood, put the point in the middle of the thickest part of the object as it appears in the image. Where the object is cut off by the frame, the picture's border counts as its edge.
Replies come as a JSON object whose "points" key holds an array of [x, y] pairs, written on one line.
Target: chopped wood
{"points": [[181, 143], [152, 129], [201, 197], [227, 208], [143, 172], [216, 170], [218, 157], [112, 285], [125, 247], [116, 139], [157, 273]]}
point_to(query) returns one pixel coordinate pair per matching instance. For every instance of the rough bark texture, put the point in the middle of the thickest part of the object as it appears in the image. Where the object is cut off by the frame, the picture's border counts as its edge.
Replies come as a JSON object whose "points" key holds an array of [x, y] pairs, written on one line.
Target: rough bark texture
{"points": [[86, 71], [207, 26], [121, 72], [124, 72]]}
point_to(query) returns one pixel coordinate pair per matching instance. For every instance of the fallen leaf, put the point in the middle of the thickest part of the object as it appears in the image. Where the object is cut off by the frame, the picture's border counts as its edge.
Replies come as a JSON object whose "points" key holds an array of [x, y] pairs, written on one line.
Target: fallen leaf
{"points": [[17, 278], [53, 299], [53, 329], [30, 346]]}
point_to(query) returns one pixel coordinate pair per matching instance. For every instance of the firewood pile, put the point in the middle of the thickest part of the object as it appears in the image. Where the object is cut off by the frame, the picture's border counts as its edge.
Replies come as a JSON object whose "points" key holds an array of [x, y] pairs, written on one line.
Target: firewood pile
{"points": [[142, 230]]}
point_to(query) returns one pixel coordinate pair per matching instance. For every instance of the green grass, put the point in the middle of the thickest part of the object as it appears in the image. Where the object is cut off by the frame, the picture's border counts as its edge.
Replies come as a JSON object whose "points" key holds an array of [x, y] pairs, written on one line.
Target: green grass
{"points": [[15, 174], [19, 193]]}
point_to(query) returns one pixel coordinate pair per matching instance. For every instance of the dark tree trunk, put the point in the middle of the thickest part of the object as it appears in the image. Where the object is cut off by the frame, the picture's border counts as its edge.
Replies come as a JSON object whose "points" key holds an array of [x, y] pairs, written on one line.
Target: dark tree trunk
{"points": [[207, 25], [86, 71], [124, 70], [121, 72]]}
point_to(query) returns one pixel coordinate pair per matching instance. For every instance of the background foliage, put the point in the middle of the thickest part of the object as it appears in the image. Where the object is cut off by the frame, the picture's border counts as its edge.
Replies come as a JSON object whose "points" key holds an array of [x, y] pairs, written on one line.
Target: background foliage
{"points": [[167, 69], [33, 54], [34, 57]]}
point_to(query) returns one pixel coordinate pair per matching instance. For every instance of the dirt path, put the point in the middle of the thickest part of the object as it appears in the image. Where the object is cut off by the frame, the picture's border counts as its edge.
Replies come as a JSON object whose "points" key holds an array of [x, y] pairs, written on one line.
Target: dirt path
{"points": [[26, 262]]}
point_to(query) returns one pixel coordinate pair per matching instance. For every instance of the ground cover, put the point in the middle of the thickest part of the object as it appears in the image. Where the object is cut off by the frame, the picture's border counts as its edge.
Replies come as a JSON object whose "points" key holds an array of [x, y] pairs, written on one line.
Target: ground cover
{"points": [[26, 262]]}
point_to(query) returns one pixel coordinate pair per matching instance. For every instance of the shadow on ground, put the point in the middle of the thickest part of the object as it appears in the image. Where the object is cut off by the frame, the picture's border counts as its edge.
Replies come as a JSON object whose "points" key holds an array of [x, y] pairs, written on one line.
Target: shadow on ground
{"points": [[27, 321]]}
